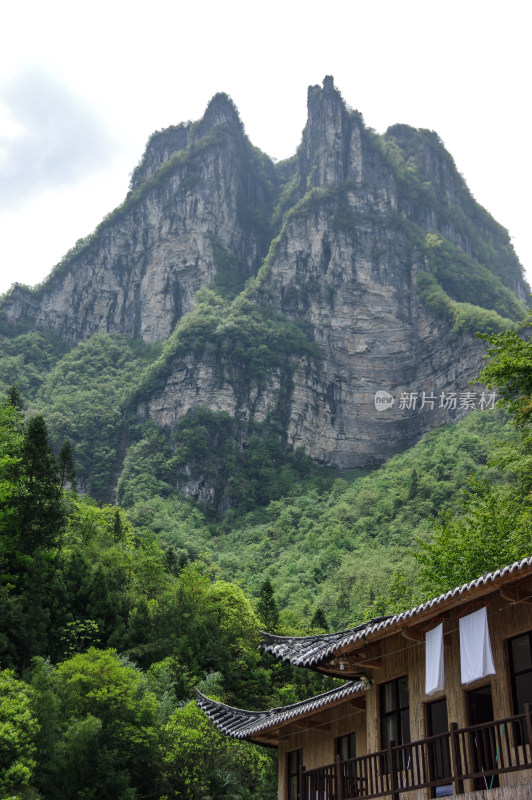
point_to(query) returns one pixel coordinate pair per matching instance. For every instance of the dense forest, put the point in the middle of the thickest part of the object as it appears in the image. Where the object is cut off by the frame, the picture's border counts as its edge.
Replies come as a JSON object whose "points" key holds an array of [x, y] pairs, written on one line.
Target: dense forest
{"points": [[110, 615]]}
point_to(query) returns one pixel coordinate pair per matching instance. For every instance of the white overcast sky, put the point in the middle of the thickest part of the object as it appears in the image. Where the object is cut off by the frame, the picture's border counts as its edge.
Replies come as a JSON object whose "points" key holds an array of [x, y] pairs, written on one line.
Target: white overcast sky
{"points": [[83, 85]]}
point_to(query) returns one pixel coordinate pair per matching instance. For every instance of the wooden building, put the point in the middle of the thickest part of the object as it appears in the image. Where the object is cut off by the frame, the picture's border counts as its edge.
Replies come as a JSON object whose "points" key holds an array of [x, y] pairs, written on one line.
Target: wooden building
{"points": [[435, 702]]}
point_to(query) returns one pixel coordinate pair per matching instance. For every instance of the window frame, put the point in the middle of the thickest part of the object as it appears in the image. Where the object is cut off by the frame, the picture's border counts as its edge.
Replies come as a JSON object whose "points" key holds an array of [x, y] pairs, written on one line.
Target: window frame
{"points": [[397, 712], [513, 673], [520, 731], [350, 739], [290, 782], [439, 761]]}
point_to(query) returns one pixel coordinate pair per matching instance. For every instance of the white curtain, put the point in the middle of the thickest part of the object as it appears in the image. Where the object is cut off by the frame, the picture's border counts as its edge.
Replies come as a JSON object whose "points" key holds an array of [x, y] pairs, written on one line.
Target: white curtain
{"points": [[434, 677], [476, 658]]}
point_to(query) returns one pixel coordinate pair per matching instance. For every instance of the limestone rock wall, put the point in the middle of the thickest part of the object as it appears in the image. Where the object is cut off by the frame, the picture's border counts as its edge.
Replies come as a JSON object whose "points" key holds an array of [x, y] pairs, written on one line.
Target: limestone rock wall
{"points": [[353, 208], [139, 274]]}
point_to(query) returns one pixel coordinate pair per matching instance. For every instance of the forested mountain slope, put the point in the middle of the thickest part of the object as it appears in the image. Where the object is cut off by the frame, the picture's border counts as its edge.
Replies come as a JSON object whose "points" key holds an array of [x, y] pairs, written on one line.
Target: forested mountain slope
{"points": [[109, 618], [332, 544]]}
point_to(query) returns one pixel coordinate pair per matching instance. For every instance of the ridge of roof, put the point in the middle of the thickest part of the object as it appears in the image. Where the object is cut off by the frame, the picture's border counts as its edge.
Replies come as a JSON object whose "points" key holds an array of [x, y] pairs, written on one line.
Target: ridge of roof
{"points": [[310, 651], [318, 637], [242, 724]]}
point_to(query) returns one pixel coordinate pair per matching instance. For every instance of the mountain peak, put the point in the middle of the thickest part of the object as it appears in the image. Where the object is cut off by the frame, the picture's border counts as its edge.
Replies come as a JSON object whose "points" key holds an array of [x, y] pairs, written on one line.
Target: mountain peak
{"points": [[327, 135], [220, 110], [327, 92], [328, 84]]}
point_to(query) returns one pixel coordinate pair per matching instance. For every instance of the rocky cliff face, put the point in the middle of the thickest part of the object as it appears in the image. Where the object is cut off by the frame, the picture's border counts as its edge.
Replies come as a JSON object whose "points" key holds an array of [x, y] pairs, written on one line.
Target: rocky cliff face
{"points": [[139, 273], [347, 242]]}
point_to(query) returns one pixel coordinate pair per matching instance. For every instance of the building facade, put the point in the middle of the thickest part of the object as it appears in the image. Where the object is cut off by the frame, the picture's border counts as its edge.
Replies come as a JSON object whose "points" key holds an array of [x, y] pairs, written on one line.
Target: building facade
{"points": [[435, 702]]}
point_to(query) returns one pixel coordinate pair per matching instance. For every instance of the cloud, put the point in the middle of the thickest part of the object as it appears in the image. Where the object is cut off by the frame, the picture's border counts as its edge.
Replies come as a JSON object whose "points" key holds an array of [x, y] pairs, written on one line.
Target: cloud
{"points": [[49, 138]]}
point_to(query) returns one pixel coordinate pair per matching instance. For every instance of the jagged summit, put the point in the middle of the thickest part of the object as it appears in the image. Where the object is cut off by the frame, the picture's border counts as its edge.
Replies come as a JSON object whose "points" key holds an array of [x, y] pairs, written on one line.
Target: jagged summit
{"points": [[220, 110], [163, 144], [327, 89], [330, 149]]}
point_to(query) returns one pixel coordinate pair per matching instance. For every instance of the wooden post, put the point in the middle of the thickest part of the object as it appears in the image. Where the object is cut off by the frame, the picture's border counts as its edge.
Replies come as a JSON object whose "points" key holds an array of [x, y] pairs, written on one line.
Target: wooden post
{"points": [[456, 760], [394, 792], [338, 794], [301, 785], [528, 722]]}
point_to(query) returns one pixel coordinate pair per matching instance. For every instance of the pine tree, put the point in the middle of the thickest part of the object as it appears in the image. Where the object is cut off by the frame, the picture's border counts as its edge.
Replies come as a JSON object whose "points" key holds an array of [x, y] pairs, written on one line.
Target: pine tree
{"points": [[14, 398], [41, 517], [67, 472], [103, 606], [171, 563], [413, 488], [267, 607], [11, 441], [118, 530], [319, 620], [77, 574]]}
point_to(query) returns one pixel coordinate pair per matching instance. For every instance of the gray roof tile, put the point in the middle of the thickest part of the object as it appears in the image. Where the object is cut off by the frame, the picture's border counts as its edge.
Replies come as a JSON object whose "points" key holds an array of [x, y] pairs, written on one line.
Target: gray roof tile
{"points": [[241, 724], [311, 651]]}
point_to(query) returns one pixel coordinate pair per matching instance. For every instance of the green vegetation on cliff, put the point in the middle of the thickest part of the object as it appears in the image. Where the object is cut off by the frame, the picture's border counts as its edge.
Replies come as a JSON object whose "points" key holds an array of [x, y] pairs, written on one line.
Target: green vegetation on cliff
{"points": [[334, 547], [246, 342], [84, 395], [467, 281], [464, 317], [427, 175], [27, 357]]}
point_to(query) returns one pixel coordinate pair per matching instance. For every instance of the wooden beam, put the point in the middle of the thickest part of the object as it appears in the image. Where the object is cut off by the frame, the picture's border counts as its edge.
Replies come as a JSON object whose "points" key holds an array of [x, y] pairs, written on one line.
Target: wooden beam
{"points": [[516, 594], [346, 673], [309, 723], [263, 740], [334, 672], [413, 634], [359, 705], [368, 663], [352, 663], [416, 633]]}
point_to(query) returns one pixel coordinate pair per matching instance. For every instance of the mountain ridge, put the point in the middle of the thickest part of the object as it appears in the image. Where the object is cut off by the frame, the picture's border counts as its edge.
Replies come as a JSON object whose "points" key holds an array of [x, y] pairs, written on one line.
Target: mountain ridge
{"points": [[289, 294]]}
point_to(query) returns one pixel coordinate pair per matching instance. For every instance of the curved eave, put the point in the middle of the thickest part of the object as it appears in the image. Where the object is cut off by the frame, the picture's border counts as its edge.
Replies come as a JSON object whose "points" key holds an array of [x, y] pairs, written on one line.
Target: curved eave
{"points": [[256, 725], [315, 651]]}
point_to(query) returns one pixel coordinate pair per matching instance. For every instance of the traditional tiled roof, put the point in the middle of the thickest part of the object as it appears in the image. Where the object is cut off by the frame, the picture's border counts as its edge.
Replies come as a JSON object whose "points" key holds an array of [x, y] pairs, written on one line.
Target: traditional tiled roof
{"points": [[242, 724], [311, 651]]}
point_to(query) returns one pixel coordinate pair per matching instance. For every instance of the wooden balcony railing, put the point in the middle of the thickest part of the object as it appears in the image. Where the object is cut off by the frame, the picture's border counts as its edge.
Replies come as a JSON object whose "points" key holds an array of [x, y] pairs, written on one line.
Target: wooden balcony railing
{"points": [[478, 753]]}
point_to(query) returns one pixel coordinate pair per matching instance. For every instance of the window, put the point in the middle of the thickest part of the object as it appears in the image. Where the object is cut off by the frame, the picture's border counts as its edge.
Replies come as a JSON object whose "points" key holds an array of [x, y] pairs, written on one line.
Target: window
{"points": [[520, 655], [437, 717], [395, 721], [439, 756], [295, 760], [521, 670], [485, 755], [346, 746]]}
